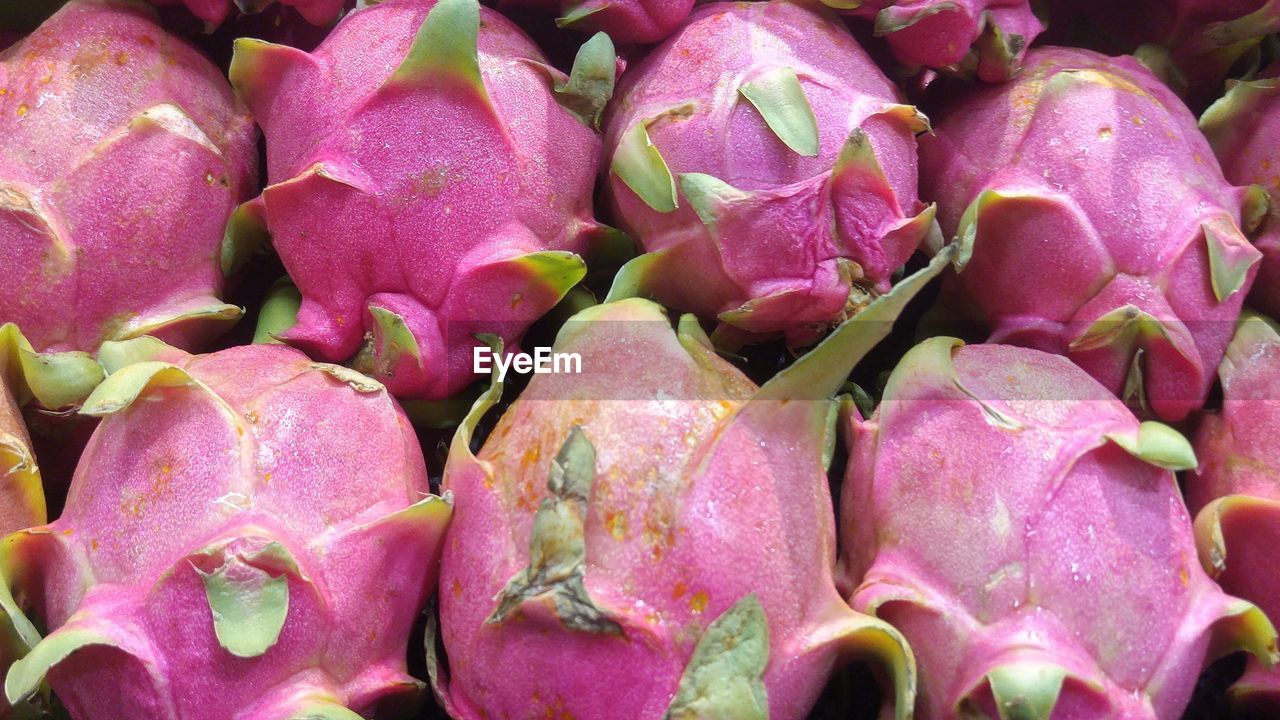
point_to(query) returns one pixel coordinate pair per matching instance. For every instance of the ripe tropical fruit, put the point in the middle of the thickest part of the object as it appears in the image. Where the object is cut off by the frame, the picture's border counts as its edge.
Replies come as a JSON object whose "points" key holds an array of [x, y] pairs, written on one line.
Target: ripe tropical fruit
{"points": [[123, 153], [768, 168], [987, 38], [686, 529], [1025, 532], [249, 534], [430, 179], [628, 22], [1198, 40], [1236, 490], [52, 380], [1081, 246], [1244, 129], [214, 12]]}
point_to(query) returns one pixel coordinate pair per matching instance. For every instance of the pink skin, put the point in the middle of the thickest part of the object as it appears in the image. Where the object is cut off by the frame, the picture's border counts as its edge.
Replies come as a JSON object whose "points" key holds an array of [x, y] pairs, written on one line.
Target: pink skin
{"points": [[214, 12], [21, 500], [628, 22], [415, 199], [785, 246], [1245, 134], [946, 33], [122, 154], [1240, 469], [1084, 145], [272, 448], [1185, 28], [988, 517], [670, 527]]}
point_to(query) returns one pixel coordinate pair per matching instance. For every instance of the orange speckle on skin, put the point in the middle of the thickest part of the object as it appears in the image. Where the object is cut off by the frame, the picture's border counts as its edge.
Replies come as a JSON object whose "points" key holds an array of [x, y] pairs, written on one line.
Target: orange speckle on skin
{"points": [[239, 431], [166, 469], [93, 544], [679, 590], [1183, 576], [122, 58], [23, 110], [1137, 120], [266, 478], [616, 523], [698, 603], [1104, 132], [457, 589]]}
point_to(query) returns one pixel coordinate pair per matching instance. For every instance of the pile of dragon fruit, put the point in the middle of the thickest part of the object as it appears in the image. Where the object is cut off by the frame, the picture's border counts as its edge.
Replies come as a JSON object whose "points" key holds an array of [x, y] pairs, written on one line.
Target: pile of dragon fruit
{"points": [[639, 359]]}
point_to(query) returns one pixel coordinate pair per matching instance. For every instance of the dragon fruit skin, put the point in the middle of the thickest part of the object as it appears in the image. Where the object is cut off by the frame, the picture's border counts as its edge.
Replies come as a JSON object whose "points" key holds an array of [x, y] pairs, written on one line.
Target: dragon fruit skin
{"points": [[1016, 522], [1200, 39], [762, 146], [123, 153], [1244, 127], [704, 496], [628, 22], [1082, 242], [1235, 491], [423, 191], [248, 535], [214, 12], [984, 37]]}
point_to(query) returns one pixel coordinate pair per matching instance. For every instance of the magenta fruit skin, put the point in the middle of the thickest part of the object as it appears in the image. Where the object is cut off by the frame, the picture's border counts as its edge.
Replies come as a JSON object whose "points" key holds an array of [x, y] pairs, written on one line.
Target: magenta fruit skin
{"points": [[1026, 534], [249, 534], [1083, 244], [123, 153]]}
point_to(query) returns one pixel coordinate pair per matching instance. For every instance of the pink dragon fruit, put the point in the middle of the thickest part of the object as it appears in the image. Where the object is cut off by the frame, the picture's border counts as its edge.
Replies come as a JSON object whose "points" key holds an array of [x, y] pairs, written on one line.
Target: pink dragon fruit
{"points": [[1200, 39], [431, 178], [123, 153], [1244, 130], [249, 535], [984, 37], [628, 22], [214, 12], [1236, 490], [686, 529], [53, 380], [1024, 531], [1083, 242], [768, 168]]}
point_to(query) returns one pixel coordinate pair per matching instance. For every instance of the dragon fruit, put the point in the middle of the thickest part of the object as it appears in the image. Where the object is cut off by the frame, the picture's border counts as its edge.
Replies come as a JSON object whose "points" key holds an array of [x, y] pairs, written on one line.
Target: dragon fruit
{"points": [[984, 37], [52, 380], [1199, 40], [1083, 243], [1244, 129], [628, 22], [123, 153], [686, 529], [214, 12], [1236, 490], [249, 535], [1025, 532], [768, 168], [431, 179]]}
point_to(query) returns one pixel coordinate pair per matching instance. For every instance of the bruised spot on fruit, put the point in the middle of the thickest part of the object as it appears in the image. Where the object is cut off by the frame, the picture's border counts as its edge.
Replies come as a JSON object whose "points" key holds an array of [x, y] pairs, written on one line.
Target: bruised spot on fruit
{"points": [[616, 523]]}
